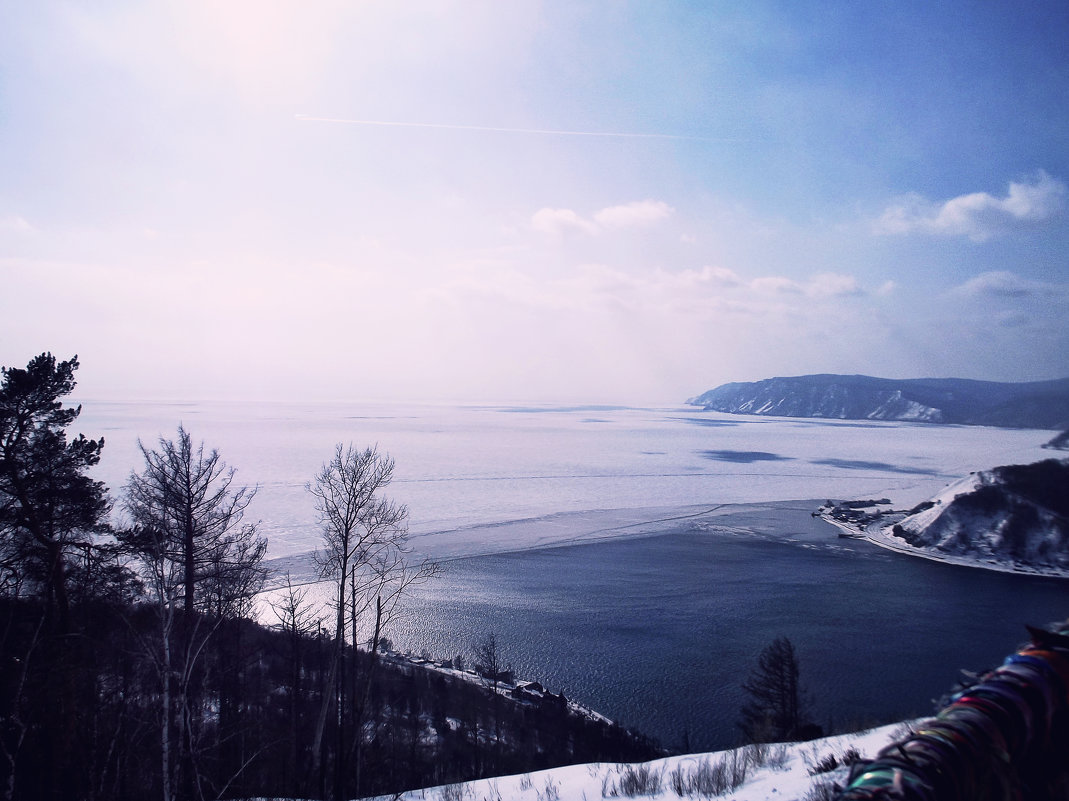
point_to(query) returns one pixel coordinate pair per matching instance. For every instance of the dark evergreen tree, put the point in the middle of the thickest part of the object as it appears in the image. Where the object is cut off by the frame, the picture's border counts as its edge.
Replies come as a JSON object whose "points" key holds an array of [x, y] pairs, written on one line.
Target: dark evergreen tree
{"points": [[776, 708], [50, 511], [49, 507]]}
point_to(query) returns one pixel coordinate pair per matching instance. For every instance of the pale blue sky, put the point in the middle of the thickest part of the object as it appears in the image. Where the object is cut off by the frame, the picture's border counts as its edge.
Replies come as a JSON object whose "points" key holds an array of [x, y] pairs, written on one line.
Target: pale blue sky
{"points": [[874, 187]]}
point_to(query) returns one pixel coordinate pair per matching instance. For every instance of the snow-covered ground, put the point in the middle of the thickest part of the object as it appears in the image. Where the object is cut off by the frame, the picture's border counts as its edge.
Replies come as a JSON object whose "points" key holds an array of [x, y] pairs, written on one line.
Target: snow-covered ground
{"points": [[879, 532], [782, 772], [531, 690]]}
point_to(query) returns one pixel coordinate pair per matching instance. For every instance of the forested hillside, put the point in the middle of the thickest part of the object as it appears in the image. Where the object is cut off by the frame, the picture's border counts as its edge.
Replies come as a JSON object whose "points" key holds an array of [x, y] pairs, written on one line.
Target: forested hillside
{"points": [[81, 714], [131, 666]]}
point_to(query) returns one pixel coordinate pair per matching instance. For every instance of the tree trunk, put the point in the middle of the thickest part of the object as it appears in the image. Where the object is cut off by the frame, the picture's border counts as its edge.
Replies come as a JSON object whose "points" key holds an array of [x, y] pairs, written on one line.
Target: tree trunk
{"points": [[165, 728], [360, 704], [58, 580]]}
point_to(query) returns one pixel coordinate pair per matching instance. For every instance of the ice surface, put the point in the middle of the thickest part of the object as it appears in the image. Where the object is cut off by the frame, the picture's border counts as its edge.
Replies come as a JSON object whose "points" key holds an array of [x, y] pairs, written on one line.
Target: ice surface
{"points": [[493, 478]]}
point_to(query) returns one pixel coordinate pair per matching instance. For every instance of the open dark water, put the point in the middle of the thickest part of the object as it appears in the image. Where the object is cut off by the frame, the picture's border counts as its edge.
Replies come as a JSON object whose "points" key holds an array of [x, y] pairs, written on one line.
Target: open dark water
{"points": [[658, 632]]}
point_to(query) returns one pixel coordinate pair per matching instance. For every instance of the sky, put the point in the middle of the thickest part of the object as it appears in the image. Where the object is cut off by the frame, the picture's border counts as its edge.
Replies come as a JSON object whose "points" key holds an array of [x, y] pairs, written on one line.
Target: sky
{"points": [[564, 201]]}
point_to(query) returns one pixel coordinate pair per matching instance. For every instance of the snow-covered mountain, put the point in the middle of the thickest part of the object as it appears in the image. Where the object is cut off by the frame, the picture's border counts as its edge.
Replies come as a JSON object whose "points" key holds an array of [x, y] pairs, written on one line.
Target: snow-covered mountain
{"points": [[1060, 442], [1041, 404], [1016, 513]]}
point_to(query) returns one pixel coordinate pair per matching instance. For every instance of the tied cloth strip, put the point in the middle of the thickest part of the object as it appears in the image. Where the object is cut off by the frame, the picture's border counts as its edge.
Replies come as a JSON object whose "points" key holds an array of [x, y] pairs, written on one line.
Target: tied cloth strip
{"points": [[1003, 739]]}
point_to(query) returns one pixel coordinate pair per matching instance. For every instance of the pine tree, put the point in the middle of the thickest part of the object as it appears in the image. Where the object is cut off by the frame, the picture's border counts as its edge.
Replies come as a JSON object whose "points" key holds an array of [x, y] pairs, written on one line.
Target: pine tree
{"points": [[49, 507], [50, 511], [776, 709]]}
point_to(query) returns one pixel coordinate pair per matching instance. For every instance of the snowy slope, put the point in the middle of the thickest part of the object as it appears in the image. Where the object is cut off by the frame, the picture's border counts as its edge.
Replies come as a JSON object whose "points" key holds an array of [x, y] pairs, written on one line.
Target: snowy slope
{"points": [[1060, 442], [765, 773], [1013, 513]]}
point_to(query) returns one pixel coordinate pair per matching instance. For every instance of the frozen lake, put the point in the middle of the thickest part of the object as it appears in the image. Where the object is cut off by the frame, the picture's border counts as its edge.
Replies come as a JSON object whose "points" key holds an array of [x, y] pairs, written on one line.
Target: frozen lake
{"points": [[459, 467], [679, 552]]}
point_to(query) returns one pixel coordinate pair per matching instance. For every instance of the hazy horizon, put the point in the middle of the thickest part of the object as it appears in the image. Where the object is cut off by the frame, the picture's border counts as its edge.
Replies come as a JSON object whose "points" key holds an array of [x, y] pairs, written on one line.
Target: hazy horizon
{"points": [[531, 202], [507, 404]]}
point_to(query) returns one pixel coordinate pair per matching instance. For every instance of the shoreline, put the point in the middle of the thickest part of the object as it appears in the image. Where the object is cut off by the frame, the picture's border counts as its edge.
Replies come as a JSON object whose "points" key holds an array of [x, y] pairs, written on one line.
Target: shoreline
{"points": [[560, 530], [564, 529], [592, 526], [878, 534]]}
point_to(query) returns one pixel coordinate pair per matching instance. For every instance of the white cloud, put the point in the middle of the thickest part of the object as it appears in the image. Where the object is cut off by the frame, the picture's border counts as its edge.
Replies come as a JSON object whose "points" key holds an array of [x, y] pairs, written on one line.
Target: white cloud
{"points": [[834, 284], [640, 212], [776, 284], [978, 215], [704, 290], [820, 285], [721, 275], [629, 215], [1004, 284], [559, 221], [16, 223]]}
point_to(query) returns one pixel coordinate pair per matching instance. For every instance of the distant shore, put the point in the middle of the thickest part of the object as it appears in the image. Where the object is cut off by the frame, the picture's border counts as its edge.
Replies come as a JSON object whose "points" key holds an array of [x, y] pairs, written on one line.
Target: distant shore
{"points": [[879, 533]]}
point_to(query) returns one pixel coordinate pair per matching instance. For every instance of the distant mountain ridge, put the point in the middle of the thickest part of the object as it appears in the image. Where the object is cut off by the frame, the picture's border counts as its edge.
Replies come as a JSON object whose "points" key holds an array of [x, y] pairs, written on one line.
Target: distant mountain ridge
{"points": [[1037, 404]]}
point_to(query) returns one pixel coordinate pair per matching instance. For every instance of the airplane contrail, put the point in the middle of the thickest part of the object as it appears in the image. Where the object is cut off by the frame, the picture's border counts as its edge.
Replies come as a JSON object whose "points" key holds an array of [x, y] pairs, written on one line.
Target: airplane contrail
{"points": [[543, 131]]}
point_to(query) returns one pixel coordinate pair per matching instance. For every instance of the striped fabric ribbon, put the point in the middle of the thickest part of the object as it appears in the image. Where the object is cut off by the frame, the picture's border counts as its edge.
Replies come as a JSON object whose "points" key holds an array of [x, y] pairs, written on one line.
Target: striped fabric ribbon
{"points": [[1004, 737]]}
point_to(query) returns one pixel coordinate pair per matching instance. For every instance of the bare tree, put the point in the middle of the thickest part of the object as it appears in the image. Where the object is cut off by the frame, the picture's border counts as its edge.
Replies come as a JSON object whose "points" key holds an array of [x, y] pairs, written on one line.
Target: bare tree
{"points": [[201, 564], [489, 662], [189, 502], [366, 555], [298, 619], [16, 721], [295, 613]]}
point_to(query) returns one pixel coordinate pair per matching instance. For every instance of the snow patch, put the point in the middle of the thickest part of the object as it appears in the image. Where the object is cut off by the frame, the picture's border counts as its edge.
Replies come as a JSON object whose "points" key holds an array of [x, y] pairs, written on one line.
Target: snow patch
{"points": [[776, 772]]}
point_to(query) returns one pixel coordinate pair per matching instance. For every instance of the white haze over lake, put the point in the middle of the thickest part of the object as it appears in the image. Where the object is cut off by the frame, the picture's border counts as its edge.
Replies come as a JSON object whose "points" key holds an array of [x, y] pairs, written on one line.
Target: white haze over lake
{"points": [[494, 478]]}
